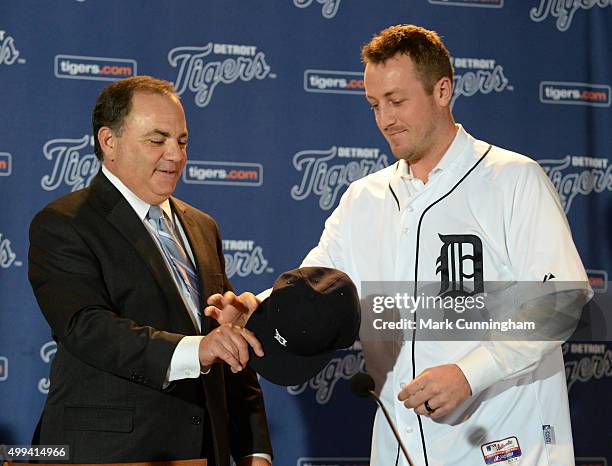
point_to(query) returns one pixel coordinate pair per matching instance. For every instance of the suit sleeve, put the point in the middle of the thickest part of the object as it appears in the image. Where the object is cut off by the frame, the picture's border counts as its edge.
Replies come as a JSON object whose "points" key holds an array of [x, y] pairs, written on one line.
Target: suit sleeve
{"points": [[66, 278], [248, 421]]}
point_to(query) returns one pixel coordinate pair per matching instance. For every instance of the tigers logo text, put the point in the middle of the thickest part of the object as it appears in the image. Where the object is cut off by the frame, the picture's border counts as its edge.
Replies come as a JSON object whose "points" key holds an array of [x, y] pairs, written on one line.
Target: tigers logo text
{"points": [[344, 366], [197, 74], [244, 258], [563, 10], [482, 75], [574, 175], [7, 257], [9, 54], [328, 10], [71, 166], [326, 172]]}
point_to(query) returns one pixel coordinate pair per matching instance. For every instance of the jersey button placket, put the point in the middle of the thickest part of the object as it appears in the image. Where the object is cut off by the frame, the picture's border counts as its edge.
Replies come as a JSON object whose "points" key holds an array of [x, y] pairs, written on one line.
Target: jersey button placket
{"points": [[406, 219]]}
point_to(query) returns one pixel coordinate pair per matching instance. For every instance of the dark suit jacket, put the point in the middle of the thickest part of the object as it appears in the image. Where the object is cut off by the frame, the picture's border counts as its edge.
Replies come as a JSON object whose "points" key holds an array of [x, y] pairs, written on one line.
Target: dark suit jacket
{"points": [[117, 317]]}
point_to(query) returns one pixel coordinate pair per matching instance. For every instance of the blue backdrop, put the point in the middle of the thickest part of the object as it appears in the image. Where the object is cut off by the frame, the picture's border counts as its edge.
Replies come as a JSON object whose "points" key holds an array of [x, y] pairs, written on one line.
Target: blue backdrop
{"points": [[279, 127]]}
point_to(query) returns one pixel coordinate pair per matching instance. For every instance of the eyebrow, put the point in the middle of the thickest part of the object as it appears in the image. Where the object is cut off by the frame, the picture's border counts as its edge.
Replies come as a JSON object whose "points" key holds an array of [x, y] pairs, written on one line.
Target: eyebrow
{"points": [[164, 133]]}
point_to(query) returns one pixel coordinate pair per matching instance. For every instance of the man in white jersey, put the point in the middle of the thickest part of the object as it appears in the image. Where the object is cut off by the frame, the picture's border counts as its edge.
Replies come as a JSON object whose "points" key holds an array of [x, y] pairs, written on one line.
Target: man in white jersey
{"points": [[460, 403]]}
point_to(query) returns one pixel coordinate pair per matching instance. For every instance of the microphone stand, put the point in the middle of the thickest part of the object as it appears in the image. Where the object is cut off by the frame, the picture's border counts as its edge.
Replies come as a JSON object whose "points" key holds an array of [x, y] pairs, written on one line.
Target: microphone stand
{"points": [[395, 432]]}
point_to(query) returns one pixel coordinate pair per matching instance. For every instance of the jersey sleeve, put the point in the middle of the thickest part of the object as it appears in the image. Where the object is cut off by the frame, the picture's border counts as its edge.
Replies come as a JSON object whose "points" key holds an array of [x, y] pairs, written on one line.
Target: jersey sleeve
{"points": [[541, 248], [539, 239], [330, 252]]}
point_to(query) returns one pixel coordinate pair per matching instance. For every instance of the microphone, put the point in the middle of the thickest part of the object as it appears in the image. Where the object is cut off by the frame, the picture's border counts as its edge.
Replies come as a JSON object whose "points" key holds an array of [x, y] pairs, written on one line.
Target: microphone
{"points": [[362, 385]]}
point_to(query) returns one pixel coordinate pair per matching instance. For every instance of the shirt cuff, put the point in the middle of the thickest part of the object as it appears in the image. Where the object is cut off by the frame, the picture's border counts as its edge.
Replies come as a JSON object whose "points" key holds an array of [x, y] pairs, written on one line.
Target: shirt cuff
{"points": [[264, 294], [185, 362], [261, 455], [480, 369]]}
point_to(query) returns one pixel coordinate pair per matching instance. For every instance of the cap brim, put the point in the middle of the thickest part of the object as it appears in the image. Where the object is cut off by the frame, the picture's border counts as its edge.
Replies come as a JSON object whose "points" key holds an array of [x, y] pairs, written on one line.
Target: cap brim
{"points": [[278, 365]]}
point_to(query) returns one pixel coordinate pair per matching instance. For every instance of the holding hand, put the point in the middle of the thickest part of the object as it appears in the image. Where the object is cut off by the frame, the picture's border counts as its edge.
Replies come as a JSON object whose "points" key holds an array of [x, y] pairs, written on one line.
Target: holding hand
{"points": [[437, 391], [231, 309], [228, 343]]}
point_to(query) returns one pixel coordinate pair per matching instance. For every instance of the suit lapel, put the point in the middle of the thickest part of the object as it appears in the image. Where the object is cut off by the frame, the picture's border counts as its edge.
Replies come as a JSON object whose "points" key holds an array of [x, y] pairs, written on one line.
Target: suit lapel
{"points": [[105, 197]]}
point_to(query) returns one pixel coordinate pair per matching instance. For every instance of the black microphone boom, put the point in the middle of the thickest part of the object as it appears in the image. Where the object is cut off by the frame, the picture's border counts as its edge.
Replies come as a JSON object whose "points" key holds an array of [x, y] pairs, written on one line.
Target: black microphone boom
{"points": [[362, 385]]}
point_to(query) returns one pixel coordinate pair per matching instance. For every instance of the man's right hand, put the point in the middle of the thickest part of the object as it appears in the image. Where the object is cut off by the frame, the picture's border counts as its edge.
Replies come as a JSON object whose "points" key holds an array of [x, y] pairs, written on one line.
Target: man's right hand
{"points": [[228, 343]]}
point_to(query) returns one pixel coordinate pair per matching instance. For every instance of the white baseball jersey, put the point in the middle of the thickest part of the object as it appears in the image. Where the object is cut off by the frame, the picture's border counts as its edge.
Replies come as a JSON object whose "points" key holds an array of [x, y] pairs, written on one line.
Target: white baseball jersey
{"points": [[390, 226]]}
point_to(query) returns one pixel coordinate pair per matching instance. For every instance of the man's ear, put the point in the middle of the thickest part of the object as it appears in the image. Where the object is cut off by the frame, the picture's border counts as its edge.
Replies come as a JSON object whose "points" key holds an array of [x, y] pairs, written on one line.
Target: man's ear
{"points": [[107, 140], [443, 91]]}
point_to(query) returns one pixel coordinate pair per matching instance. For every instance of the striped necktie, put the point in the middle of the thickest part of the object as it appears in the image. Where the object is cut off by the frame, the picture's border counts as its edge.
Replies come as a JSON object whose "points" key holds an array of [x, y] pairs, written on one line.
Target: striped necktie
{"points": [[182, 268]]}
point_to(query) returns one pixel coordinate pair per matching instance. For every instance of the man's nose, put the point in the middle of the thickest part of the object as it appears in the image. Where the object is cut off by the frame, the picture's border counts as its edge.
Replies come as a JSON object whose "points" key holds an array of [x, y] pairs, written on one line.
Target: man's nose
{"points": [[386, 117], [174, 151]]}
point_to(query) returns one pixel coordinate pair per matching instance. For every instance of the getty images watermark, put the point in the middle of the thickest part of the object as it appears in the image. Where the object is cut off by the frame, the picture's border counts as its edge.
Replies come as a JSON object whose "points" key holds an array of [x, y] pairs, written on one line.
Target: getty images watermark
{"points": [[530, 311]]}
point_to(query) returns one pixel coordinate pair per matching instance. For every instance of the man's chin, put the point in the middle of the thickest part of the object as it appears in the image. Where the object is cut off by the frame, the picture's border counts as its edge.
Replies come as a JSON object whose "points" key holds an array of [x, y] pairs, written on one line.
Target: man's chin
{"points": [[164, 191], [405, 154]]}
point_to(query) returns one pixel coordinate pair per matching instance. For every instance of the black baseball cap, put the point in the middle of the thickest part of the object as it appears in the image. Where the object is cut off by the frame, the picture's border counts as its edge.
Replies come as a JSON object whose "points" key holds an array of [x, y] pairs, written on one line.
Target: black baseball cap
{"points": [[312, 312]]}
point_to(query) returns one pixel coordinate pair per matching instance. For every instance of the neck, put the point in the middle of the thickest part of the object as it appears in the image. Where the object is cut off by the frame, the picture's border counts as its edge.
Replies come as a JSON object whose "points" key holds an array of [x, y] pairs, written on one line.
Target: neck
{"points": [[421, 168]]}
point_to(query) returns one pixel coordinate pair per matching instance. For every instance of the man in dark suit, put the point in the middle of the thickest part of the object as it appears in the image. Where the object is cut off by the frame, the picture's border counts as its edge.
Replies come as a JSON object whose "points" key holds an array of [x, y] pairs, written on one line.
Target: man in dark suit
{"points": [[121, 271]]}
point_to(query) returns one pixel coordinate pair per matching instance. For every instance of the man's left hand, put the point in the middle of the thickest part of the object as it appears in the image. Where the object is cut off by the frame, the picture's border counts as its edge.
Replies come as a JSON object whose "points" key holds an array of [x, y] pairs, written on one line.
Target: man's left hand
{"points": [[444, 388]]}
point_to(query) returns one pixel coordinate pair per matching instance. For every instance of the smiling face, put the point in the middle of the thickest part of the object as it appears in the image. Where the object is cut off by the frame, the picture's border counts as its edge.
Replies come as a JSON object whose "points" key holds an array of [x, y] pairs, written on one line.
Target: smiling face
{"points": [[149, 151], [411, 120]]}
